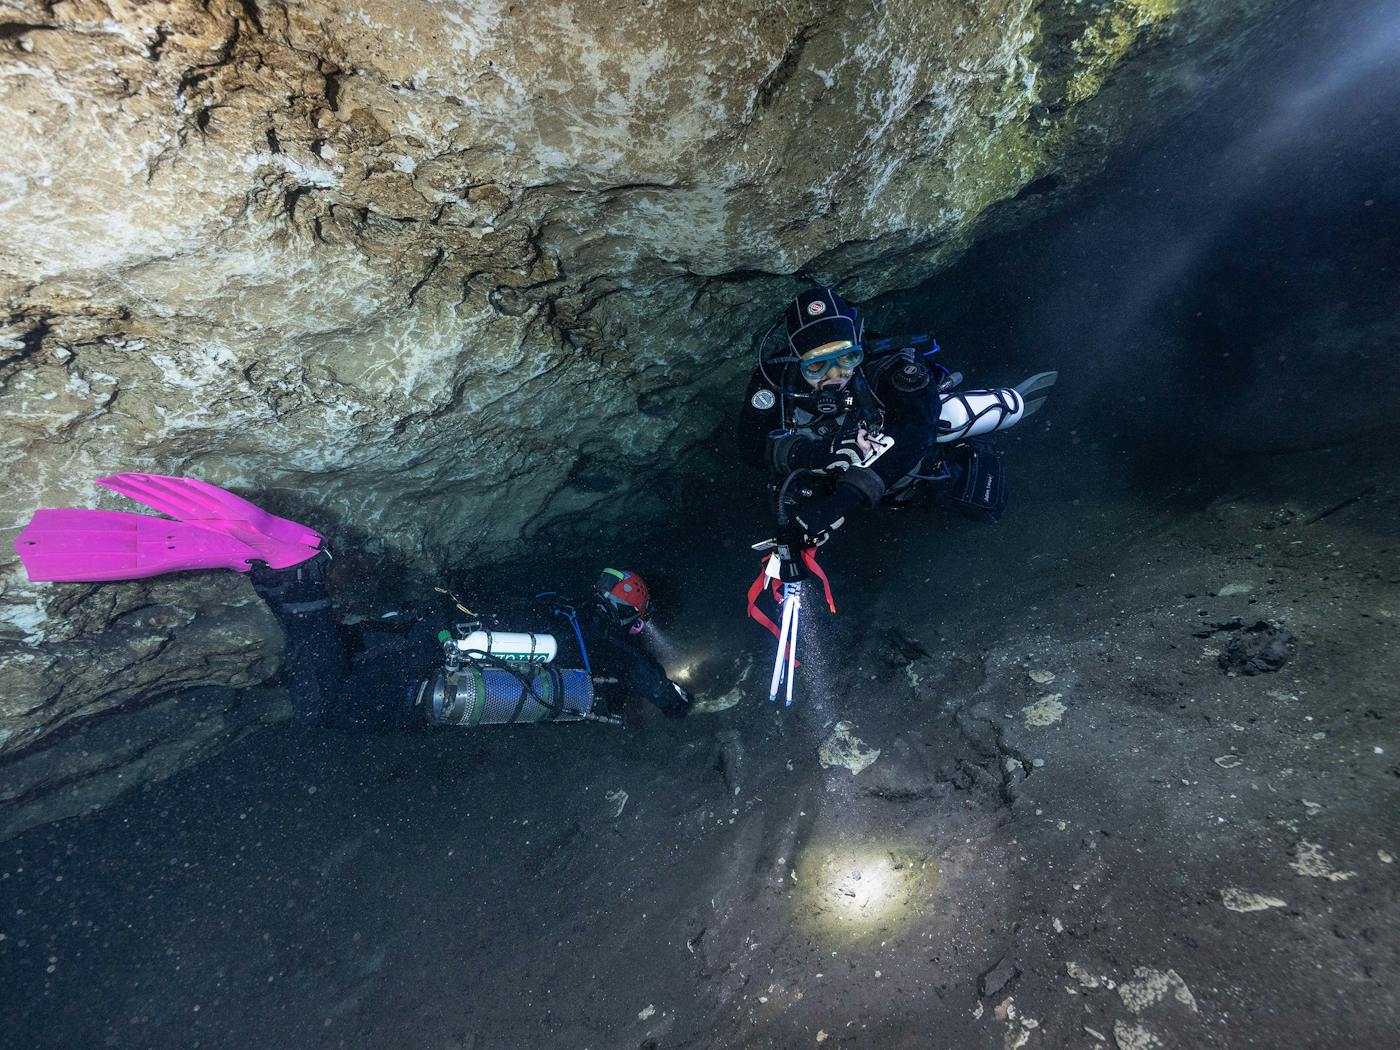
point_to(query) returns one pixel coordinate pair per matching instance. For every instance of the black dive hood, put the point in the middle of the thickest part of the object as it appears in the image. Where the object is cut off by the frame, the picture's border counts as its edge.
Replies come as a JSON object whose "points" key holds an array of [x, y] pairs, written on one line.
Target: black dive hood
{"points": [[816, 317], [819, 316]]}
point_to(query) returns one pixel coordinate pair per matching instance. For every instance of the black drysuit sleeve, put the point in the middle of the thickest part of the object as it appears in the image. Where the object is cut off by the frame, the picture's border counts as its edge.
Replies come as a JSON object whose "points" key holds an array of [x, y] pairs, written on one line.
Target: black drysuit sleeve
{"points": [[755, 424], [613, 654], [911, 419]]}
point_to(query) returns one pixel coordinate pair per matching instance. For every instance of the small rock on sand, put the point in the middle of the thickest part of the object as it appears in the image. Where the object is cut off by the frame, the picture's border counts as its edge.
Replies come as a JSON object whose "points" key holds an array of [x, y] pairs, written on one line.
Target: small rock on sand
{"points": [[1152, 987], [1243, 900], [997, 978], [1308, 860], [1044, 712], [841, 748], [1133, 1037], [1083, 976]]}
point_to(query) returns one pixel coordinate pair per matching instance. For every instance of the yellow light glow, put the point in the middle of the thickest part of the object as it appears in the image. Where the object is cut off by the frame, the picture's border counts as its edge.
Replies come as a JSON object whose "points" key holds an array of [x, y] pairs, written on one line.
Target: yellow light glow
{"points": [[866, 890]]}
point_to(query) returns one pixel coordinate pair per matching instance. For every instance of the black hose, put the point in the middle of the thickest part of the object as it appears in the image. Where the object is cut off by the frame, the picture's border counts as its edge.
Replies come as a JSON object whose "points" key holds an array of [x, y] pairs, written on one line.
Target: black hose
{"points": [[782, 493]]}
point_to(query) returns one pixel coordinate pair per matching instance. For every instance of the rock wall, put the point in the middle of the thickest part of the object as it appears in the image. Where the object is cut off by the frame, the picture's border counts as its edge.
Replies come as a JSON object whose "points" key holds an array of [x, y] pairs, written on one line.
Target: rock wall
{"points": [[447, 278]]}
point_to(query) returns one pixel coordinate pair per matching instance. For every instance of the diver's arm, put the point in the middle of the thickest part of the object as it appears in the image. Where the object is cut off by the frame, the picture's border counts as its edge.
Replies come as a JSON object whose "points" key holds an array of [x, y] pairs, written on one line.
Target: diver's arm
{"points": [[759, 416], [858, 487], [640, 674], [763, 443]]}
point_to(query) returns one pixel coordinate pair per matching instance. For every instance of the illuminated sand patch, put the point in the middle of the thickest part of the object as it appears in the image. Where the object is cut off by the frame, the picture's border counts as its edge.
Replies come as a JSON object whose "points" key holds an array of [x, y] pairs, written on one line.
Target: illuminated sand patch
{"points": [[862, 891]]}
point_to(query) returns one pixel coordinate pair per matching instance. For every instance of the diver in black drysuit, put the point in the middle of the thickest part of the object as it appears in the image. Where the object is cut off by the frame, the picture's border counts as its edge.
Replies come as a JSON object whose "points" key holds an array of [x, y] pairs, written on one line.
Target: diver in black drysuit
{"points": [[377, 684], [860, 422]]}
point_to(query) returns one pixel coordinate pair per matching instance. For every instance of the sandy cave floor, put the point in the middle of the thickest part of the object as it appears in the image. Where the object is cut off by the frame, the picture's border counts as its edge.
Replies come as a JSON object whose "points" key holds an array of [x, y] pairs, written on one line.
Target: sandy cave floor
{"points": [[1081, 829]]}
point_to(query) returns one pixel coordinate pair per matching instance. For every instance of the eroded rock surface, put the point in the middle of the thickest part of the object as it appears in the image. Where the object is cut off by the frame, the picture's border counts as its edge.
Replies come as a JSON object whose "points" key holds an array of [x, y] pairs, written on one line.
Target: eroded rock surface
{"points": [[454, 279]]}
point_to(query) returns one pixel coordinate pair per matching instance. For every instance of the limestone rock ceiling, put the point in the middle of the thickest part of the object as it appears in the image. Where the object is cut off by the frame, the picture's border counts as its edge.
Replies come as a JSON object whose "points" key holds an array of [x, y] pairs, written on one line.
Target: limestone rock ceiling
{"points": [[455, 273]]}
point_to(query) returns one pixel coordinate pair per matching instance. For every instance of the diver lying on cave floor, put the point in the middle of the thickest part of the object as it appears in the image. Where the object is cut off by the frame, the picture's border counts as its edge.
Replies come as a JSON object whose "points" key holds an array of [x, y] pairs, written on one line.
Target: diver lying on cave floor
{"points": [[840, 422], [411, 674]]}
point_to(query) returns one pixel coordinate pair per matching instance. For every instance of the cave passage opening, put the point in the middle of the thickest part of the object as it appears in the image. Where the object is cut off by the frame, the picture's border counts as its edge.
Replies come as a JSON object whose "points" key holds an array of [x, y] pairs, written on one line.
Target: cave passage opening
{"points": [[1124, 758]]}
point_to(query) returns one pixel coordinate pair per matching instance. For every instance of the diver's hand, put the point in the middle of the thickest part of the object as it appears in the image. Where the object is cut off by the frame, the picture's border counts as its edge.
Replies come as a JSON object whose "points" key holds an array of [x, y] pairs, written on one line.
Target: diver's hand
{"points": [[851, 450], [791, 539]]}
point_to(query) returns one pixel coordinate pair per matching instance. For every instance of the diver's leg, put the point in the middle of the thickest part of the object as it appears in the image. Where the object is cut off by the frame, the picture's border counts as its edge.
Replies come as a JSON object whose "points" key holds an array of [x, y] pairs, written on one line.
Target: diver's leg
{"points": [[316, 663], [977, 487]]}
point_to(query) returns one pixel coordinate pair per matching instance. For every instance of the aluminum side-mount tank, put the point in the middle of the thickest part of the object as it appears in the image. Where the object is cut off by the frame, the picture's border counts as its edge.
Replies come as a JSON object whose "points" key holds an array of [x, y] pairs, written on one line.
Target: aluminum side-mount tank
{"points": [[474, 696]]}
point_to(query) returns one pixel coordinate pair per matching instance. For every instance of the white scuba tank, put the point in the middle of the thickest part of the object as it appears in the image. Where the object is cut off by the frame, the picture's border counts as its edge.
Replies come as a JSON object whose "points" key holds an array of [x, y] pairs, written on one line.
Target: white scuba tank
{"points": [[968, 413], [510, 645]]}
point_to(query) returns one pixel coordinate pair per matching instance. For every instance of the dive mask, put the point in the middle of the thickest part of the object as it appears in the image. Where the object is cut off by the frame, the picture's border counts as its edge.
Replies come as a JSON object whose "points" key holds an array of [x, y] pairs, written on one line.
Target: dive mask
{"points": [[846, 357]]}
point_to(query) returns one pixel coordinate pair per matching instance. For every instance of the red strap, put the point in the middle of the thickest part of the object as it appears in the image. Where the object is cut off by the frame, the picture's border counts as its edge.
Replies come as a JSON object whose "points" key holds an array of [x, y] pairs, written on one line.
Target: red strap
{"points": [[809, 557], [754, 611]]}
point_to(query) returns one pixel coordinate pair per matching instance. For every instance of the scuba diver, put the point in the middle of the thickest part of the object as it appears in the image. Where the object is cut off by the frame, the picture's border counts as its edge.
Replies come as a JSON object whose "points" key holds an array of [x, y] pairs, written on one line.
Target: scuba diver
{"points": [[551, 661], [841, 422]]}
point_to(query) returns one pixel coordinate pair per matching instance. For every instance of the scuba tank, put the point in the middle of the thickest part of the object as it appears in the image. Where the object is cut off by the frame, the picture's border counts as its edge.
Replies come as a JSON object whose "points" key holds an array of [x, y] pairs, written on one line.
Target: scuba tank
{"points": [[526, 647], [478, 693], [502, 677]]}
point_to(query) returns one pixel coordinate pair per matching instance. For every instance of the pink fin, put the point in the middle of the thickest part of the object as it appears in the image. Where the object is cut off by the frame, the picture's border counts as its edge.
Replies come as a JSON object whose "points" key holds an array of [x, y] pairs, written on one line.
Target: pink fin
{"points": [[277, 541], [71, 546]]}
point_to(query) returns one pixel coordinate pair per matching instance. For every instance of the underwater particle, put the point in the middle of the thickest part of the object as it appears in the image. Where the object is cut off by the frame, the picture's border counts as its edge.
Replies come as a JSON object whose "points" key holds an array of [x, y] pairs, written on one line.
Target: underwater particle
{"points": [[1228, 761], [1044, 712], [821, 1035], [1385, 858], [1244, 900], [649, 1012], [841, 748], [617, 798], [1309, 861]]}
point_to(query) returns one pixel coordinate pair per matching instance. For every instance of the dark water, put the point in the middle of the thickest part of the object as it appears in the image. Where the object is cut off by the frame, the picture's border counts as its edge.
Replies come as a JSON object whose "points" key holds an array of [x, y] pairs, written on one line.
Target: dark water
{"points": [[1232, 288], [1222, 299]]}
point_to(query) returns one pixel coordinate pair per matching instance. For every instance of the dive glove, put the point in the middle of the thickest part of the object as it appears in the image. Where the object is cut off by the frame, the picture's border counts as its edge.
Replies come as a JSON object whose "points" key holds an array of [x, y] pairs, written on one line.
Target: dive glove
{"points": [[857, 448]]}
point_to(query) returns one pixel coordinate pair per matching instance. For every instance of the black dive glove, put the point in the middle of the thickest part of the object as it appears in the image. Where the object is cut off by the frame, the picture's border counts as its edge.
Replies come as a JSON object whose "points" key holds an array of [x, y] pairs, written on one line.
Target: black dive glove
{"points": [[845, 451], [798, 452], [858, 487]]}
